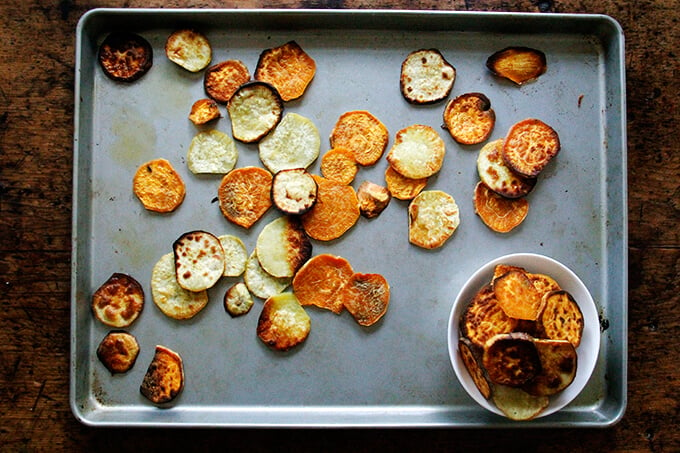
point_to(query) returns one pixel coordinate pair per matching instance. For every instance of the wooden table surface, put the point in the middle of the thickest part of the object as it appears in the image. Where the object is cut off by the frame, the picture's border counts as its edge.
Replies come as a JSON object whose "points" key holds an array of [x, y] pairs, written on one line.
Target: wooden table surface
{"points": [[36, 129]]}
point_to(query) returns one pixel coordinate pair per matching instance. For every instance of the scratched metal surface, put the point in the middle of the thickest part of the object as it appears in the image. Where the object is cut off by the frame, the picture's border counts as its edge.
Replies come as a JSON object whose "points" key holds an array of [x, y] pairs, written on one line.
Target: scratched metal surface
{"points": [[396, 373]]}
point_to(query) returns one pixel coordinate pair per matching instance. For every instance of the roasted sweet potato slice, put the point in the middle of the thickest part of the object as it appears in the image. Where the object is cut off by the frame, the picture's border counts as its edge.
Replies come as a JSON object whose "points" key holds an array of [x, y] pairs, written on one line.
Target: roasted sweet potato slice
{"points": [[164, 379], [339, 164], [255, 109], [519, 64], [499, 213], [484, 318], [336, 210], [543, 283], [497, 176], [529, 146], [288, 67], [558, 367], [561, 318], [118, 301], [203, 111], [517, 295], [366, 297], [245, 195], [433, 217], [401, 187], [283, 246], [501, 269], [363, 134], [235, 255], [170, 298], [125, 56], [295, 143], [260, 283], [118, 351], [511, 359], [158, 186], [221, 80], [426, 77], [418, 152], [320, 279], [294, 191], [237, 300], [517, 404], [199, 260], [189, 49], [373, 199], [283, 322], [469, 118], [473, 363], [212, 152]]}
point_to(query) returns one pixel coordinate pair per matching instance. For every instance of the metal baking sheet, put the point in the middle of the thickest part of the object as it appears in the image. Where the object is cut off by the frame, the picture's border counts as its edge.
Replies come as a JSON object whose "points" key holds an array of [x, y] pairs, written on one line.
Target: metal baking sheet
{"points": [[396, 373]]}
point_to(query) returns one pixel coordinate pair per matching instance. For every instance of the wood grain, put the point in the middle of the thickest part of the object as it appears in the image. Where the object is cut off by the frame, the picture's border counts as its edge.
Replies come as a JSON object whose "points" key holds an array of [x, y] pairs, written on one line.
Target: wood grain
{"points": [[36, 129]]}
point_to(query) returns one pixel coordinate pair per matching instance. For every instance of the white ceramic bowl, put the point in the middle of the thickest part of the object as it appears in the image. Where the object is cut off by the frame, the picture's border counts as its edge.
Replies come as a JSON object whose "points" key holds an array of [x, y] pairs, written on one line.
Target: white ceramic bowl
{"points": [[590, 342]]}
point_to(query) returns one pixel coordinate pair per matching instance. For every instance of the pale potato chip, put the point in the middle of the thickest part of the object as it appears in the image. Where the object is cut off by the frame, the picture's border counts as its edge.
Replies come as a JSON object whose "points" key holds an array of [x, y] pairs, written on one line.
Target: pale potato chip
{"points": [[283, 247], [418, 152], [294, 143], [158, 186], [170, 298], [235, 255], [517, 404], [237, 300], [289, 68], [294, 191], [118, 301], [212, 151], [497, 176], [255, 109], [283, 323], [426, 77], [199, 260], [433, 218], [190, 49], [259, 282]]}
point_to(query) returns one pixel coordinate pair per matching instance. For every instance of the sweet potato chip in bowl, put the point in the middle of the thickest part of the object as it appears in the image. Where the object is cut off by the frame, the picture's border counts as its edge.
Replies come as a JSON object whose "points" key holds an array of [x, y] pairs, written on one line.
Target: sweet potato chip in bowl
{"points": [[586, 353]]}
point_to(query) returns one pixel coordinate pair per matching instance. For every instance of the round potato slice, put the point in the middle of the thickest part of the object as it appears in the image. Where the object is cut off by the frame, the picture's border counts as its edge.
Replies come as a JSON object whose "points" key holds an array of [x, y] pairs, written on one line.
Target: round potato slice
{"points": [[158, 186], [498, 213], [212, 152], [561, 318], [511, 359], [223, 79], [497, 176], [118, 301], [295, 143], [283, 247], [426, 77], [418, 152], [294, 191], [118, 351], [199, 260], [237, 300], [473, 363], [319, 281], [529, 146], [283, 322], [366, 297], [339, 164], [125, 56], [164, 379], [170, 298], [245, 195], [235, 255], [433, 217], [259, 282], [469, 118], [484, 318], [401, 187], [558, 367], [203, 111], [363, 134], [519, 64], [517, 295], [517, 404], [288, 68], [336, 210], [254, 109], [189, 49]]}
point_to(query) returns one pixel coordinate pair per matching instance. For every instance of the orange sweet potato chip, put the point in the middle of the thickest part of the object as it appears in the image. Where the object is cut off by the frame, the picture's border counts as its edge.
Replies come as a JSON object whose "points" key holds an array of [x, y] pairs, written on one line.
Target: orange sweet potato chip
{"points": [[499, 213], [366, 297], [223, 79], [529, 146], [288, 68], [339, 165], [158, 186], [363, 134], [320, 279], [401, 187], [245, 195], [336, 210]]}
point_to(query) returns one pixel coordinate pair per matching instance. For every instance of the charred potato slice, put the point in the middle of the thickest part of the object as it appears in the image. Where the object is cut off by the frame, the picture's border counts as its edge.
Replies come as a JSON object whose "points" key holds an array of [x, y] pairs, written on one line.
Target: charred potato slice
{"points": [[203, 111], [158, 186], [170, 298], [469, 118], [433, 217], [366, 297], [237, 300], [500, 214], [221, 81], [319, 281], [255, 109], [259, 282], [558, 367], [483, 318], [518, 64], [118, 301], [529, 146], [164, 379], [125, 57], [212, 152], [245, 195], [418, 152], [336, 210], [294, 191], [517, 404], [283, 322], [497, 176], [511, 359], [401, 187], [426, 77], [199, 260], [561, 318], [283, 247], [517, 295], [373, 199], [118, 351], [288, 67], [473, 363], [363, 134], [189, 49], [295, 143]]}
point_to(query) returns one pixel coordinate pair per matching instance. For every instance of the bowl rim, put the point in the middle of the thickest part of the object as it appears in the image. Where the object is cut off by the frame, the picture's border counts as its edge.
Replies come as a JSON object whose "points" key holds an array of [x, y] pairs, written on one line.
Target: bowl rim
{"points": [[587, 351]]}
